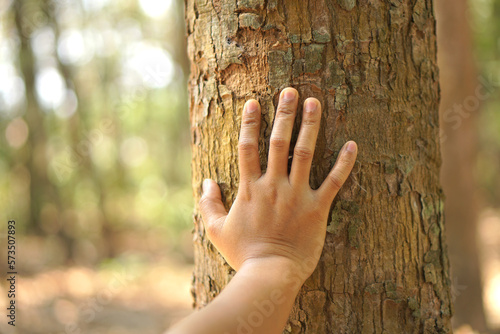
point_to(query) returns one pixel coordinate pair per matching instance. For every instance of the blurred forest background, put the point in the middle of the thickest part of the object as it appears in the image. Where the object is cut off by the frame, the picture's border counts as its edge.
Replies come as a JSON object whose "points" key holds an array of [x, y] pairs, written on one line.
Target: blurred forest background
{"points": [[95, 162]]}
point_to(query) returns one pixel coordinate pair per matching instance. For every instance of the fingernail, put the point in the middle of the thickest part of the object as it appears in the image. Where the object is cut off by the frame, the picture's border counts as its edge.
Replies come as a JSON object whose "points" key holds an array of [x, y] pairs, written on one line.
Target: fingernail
{"points": [[289, 95], [351, 147], [252, 106], [311, 105], [206, 184]]}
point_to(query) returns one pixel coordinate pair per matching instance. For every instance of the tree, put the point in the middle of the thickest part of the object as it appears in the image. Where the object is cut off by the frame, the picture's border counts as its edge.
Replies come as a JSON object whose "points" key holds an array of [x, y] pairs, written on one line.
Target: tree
{"points": [[462, 94], [41, 190], [372, 64]]}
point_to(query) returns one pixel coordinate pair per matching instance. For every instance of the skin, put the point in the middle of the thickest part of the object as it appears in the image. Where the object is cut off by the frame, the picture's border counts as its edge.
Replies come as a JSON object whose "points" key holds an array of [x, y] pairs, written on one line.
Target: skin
{"points": [[274, 233]]}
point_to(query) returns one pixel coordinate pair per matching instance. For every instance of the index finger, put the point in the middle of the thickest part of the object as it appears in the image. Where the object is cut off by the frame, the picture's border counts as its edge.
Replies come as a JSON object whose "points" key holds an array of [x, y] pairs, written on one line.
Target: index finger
{"points": [[248, 145]]}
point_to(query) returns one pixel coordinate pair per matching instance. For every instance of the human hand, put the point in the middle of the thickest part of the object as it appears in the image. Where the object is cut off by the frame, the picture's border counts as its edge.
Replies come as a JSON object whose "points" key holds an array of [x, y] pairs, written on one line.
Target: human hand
{"points": [[276, 216]]}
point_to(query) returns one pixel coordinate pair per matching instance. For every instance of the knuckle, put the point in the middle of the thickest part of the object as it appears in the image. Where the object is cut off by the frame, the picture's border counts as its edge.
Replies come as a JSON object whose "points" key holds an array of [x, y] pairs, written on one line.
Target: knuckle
{"points": [[285, 110], [245, 192], [345, 162], [247, 146], [204, 203], [302, 153], [336, 180], [272, 193], [309, 121], [250, 122], [278, 142]]}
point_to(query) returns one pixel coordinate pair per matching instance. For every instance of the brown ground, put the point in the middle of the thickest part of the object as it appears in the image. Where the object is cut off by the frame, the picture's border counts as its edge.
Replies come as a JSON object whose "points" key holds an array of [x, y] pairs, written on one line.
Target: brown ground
{"points": [[144, 299]]}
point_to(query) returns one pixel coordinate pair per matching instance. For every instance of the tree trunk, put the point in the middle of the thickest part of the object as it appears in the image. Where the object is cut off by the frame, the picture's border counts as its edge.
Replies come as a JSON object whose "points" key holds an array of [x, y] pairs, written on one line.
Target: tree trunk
{"points": [[372, 64], [41, 191], [459, 110]]}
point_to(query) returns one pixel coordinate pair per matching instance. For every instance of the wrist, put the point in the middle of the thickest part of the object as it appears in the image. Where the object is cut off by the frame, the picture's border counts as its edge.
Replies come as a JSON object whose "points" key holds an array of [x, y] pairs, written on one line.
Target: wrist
{"points": [[279, 272]]}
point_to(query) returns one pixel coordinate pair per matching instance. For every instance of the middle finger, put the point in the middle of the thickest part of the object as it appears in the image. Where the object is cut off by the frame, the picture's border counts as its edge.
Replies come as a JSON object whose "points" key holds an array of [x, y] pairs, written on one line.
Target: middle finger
{"points": [[279, 144]]}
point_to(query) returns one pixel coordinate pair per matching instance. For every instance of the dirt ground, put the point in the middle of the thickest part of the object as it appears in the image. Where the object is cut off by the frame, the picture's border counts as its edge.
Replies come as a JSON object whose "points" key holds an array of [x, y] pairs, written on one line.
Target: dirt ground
{"points": [[120, 300]]}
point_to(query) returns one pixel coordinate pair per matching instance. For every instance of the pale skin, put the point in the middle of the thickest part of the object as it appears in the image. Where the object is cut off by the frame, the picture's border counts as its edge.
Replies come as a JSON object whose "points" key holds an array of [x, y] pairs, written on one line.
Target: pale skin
{"points": [[274, 233]]}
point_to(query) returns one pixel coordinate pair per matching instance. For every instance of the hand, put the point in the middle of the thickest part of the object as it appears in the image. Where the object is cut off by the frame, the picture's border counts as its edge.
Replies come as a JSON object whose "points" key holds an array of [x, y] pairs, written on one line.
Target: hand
{"points": [[276, 216]]}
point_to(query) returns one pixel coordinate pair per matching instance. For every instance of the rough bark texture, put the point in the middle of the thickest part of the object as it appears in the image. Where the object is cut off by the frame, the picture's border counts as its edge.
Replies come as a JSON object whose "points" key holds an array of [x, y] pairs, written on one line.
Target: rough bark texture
{"points": [[372, 64], [459, 108]]}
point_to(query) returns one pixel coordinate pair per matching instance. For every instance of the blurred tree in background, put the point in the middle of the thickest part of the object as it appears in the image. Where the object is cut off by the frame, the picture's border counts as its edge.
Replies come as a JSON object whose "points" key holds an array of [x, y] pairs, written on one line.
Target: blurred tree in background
{"points": [[485, 24], [95, 143], [486, 28], [462, 95]]}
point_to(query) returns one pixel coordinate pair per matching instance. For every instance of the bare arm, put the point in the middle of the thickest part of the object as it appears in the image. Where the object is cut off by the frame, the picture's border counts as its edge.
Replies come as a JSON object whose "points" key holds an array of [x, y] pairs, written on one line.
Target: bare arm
{"points": [[274, 233]]}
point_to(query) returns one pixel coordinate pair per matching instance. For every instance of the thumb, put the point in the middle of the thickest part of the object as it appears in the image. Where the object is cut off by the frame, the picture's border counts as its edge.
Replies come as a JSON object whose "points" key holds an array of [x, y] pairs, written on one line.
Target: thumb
{"points": [[212, 209]]}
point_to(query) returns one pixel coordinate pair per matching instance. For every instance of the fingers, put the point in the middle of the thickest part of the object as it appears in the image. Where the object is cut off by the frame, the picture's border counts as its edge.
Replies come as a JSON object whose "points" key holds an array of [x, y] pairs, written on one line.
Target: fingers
{"points": [[339, 173], [212, 209], [248, 146], [279, 144], [304, 148]]}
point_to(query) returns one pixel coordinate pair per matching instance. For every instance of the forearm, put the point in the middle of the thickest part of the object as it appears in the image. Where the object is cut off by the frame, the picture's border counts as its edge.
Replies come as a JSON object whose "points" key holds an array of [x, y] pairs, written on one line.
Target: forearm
{"points": [[258, 299]]}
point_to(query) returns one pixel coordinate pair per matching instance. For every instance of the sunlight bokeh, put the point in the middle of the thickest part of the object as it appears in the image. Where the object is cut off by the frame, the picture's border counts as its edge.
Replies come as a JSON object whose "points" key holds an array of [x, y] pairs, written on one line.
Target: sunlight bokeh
{"points": [[155, 9]]}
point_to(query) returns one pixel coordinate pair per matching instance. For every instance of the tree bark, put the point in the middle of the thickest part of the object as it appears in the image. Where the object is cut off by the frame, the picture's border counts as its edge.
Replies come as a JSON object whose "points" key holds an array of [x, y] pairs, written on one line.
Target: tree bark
{"points": [[459, 112], [372, 64]]}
